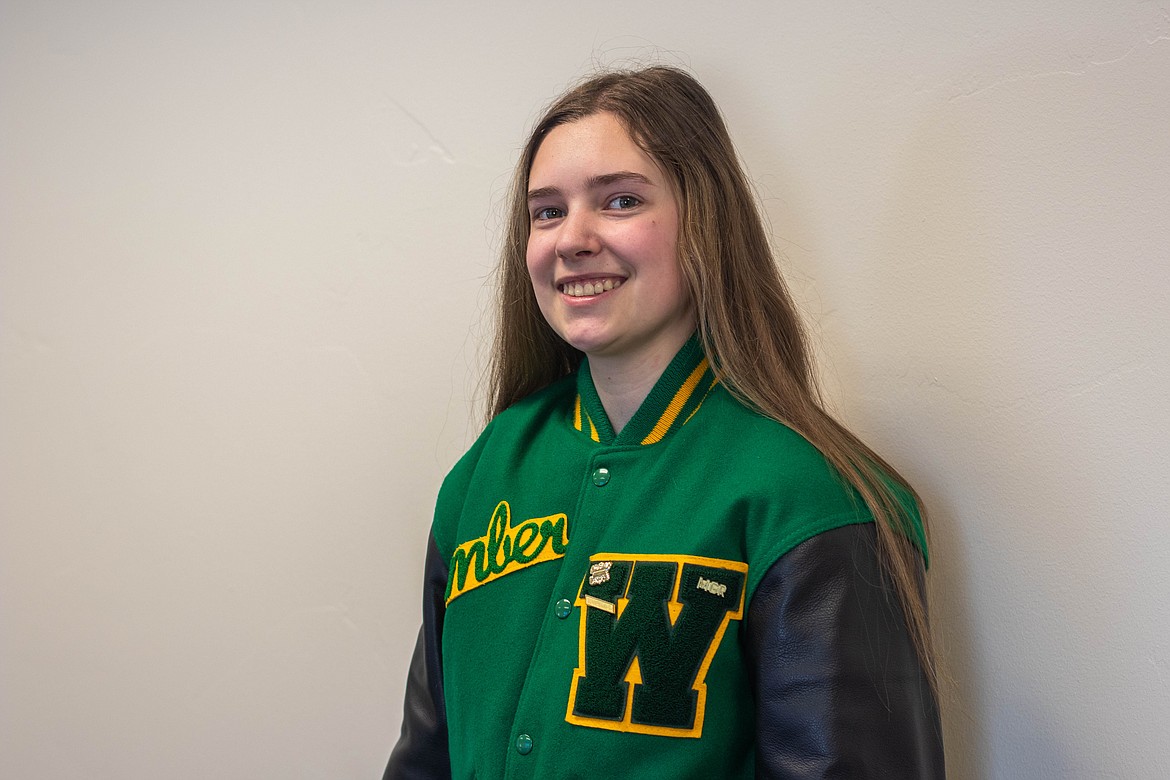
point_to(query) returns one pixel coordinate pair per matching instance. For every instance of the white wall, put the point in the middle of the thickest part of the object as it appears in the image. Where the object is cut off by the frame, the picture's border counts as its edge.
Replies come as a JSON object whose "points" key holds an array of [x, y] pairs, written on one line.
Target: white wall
{"points": [[243, 254]]}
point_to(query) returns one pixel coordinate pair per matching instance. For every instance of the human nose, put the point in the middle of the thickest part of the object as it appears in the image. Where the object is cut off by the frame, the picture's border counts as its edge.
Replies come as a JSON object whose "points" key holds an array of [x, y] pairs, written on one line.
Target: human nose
{"points": [[578, 237]]}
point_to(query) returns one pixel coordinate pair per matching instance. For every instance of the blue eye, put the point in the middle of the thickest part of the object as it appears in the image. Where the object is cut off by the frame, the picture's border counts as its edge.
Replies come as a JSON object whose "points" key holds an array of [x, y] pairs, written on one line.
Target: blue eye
{"points": [[624, 202], [548, 212]]}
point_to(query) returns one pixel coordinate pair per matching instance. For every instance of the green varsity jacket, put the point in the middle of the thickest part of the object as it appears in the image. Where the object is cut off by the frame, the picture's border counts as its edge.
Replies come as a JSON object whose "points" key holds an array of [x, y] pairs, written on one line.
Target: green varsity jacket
{"points": [[597, 584]]}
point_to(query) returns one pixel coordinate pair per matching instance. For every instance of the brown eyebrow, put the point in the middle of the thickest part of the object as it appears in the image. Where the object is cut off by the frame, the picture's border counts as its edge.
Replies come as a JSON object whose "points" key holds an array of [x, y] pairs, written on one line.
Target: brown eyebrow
{"points": [[602, 180]]}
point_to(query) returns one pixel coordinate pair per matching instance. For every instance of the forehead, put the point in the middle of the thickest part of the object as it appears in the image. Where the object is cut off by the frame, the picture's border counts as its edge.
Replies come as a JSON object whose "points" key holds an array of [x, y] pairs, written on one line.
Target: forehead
{"points": [[595, 144]]}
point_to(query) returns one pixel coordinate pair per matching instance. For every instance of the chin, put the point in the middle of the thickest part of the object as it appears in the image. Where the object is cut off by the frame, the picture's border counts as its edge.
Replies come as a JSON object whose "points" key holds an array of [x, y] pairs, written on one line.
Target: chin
{"points": [[587, 339], [588, 346]]}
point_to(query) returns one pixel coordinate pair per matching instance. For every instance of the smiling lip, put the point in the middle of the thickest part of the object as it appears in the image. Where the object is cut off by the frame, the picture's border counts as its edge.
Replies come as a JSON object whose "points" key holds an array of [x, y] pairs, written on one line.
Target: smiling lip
{"points": [[580, 288]]}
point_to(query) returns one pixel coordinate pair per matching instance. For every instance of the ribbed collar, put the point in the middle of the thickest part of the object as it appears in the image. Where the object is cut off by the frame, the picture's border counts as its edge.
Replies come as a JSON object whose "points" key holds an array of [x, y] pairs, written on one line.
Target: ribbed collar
{"points": [[673, 400]]}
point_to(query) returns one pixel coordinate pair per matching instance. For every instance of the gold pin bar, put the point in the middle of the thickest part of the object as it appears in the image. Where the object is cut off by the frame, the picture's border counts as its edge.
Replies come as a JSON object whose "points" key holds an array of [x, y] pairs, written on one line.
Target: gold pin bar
{"points": [[604, 606]]}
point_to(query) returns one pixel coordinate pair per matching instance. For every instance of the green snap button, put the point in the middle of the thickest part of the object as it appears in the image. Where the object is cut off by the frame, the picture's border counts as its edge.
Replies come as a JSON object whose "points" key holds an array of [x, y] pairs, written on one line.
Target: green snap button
{"points": [[600, 476], [523, 744], [563, 608]]}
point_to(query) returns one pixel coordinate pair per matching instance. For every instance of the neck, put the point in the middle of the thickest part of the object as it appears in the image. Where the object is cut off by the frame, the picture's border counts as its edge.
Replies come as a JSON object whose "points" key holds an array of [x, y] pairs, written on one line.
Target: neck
{"points": [[622, 384]]}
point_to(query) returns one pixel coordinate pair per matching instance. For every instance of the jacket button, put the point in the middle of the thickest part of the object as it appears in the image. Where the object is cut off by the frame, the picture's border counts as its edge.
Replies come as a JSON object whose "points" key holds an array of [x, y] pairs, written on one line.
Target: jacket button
{"points": [[523, 744], [600, 476], [563, 609]]}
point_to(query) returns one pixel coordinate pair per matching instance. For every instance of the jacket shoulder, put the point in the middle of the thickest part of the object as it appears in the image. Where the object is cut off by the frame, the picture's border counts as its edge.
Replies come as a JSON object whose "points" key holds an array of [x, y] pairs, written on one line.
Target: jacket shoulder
{"points": [[787, 489], [500, 438]]}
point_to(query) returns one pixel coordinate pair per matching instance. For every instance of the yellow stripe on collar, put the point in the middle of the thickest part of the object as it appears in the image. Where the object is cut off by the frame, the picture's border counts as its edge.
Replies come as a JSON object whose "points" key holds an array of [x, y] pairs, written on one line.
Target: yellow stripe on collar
{"points": [[676, 404], [710, 387], [580, 417], [670, 404]]}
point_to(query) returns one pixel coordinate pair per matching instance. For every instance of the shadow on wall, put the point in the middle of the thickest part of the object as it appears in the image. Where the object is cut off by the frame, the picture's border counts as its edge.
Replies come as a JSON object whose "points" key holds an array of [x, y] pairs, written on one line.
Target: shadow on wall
{"points": [[949, 284], [929, 278]]}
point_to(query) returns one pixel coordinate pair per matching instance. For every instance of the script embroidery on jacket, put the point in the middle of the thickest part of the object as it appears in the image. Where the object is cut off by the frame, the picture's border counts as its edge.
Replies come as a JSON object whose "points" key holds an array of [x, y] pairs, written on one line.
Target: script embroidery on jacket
{"points": [[505, 549]]}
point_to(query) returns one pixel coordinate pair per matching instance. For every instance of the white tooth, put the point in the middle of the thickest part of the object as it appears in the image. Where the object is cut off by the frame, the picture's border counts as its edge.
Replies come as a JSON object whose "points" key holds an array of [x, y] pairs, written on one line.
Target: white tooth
{"points": [[589, 288], [617, 283], [578, 290], [608, 284]]}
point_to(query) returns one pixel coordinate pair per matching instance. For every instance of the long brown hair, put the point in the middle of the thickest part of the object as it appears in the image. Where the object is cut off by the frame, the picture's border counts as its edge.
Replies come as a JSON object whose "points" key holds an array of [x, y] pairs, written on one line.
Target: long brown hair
{"points": [[747, 322]]}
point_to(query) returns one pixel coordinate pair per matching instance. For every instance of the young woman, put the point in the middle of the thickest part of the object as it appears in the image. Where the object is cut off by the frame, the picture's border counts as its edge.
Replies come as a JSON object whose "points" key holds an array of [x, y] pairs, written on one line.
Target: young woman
{"points": [[662, 557]]}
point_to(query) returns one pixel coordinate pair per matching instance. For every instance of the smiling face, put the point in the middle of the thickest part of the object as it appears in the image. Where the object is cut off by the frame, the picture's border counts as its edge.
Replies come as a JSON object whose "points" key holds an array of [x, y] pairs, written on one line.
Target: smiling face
{"points": [[602, 248]]}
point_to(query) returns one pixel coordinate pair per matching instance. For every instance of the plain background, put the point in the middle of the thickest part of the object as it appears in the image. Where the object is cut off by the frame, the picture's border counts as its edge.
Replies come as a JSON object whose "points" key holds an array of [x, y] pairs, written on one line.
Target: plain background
{"points": [[245, 256]]}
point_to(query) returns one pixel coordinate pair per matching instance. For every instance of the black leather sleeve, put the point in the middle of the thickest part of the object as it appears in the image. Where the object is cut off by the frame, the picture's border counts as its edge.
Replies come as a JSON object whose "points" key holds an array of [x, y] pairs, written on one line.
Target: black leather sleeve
{"points": [[421, 752], [839, 689]]}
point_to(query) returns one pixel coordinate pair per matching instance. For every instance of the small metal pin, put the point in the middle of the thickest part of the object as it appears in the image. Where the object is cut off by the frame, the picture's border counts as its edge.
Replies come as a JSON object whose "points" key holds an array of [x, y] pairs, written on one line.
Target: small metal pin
{"points": [[599, 572], [604, 606]]}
